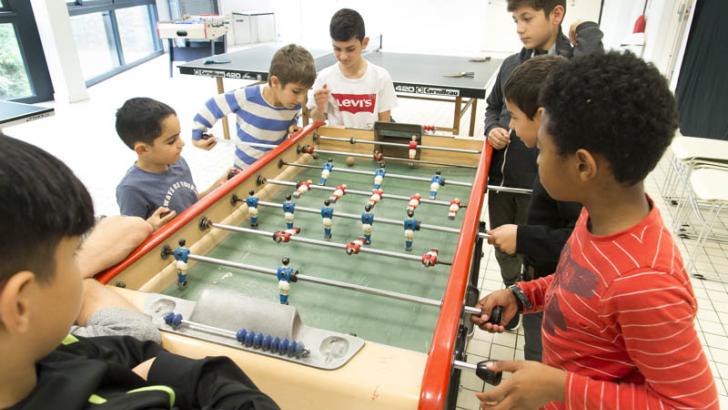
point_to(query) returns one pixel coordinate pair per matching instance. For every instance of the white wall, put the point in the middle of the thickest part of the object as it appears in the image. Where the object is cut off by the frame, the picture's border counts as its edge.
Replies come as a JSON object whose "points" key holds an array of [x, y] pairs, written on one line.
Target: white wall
{"points": [[420, 26]]}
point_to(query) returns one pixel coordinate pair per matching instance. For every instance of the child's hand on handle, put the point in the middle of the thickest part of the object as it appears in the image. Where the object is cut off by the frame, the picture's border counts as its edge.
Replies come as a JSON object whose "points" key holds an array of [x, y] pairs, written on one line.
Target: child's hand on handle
{"points": [[504, 299], [321, 97], [207, 142], [499, 137], [292, 129], [531, 386], [160, 217]]}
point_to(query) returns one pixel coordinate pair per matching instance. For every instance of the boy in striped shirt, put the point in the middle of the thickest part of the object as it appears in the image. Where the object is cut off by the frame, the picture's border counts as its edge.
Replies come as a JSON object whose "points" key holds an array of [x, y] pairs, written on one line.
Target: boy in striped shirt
{"points": [[618, 312], [265, 113]]}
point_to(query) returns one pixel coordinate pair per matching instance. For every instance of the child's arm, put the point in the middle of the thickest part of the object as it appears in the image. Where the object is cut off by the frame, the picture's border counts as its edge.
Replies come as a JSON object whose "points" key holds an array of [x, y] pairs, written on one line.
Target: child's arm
{"points": [[497, 136], [321, 101], [387, 99], [213, 382], [215, 108], [110, 241]]}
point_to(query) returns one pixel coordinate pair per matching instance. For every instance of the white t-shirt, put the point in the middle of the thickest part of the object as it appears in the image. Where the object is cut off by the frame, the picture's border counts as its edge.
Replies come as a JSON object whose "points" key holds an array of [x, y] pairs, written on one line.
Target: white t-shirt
{"points": [[355, 102]]}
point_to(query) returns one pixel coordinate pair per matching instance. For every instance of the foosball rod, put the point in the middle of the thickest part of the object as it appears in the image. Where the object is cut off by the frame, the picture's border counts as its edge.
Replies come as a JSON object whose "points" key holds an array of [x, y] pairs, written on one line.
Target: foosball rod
{"points": [[369, 156], [395, 144], [317, 242], [362, 193], [334, 283], [387, 158], [369, 173], [377, 219]]}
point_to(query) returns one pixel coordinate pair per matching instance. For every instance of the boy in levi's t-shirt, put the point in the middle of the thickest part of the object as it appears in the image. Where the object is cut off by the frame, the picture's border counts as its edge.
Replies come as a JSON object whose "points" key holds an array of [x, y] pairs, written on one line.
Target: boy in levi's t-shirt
{"points": [[353, 92]]}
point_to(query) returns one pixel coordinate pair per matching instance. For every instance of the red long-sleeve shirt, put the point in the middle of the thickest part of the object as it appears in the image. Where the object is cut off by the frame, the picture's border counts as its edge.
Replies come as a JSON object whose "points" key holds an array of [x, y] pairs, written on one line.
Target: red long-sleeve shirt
{"points": [[618, 317]]}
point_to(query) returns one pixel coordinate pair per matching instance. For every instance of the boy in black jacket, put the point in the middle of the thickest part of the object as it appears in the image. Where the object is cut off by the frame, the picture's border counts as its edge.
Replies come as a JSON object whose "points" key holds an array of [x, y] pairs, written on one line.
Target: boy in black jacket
{"points": [[44, 210], [538, 24], [540, 240]]}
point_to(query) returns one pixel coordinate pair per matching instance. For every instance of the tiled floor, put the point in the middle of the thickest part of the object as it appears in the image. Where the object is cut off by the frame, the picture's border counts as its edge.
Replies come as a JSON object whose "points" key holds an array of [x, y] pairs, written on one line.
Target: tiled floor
{"points": [[83, 136]]}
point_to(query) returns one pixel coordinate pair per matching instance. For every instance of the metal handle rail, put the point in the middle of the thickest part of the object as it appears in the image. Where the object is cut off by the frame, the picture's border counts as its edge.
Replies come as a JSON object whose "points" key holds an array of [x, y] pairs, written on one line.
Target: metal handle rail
{"points": [[394, 144], [362, 193], [317, 242], [378, 219]]}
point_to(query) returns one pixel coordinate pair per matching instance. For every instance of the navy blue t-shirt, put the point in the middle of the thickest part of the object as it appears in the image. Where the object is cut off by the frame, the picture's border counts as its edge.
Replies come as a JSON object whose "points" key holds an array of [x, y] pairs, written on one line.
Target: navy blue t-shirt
{"points": [[140, 193]]}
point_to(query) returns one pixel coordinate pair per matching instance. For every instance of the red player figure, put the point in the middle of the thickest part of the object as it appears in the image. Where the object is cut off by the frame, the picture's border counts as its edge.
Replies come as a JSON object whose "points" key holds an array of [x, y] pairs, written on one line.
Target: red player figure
{"points": [[377, 156], [454, 208], [430, 129], [285, 236], [309, 149], [430, 258], [414, 201], [302, 187], [353, 247], [377, 195], [412, 148], [338, 193]]}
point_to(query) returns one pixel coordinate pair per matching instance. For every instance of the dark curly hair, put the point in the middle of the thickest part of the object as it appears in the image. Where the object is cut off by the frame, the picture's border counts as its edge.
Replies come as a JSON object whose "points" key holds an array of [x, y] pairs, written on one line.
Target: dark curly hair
{"points": [[615, 105]]}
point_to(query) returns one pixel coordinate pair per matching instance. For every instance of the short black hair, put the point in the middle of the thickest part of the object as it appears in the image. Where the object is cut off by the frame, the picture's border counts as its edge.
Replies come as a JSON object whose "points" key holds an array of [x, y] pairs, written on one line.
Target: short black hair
{"points": [[347, 24], [615, 105], [546, 5], [293, 64], [41, 203], [525, 82], [140, 120]]}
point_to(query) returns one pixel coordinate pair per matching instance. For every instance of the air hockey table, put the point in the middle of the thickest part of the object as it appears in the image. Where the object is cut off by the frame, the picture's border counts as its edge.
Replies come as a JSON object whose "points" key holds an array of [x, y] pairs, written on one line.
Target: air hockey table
{"points": [[369, 328]]}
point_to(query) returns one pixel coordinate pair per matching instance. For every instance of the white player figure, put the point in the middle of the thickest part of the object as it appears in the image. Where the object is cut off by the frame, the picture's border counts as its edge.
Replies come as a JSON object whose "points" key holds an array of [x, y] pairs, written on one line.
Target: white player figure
{"points": [[302, 187], [414, 201], [338, 193], [454, 208], [376, 197], [412, 153]]}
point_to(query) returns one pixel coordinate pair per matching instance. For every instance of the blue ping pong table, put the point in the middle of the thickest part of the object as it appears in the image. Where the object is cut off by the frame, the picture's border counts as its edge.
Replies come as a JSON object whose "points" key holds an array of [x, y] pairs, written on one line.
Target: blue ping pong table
{"points": [[418, 76], [13, 113]]}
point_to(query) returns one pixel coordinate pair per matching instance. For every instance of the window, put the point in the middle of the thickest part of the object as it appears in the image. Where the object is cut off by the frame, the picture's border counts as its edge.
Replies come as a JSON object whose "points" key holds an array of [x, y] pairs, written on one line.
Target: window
{"points": [[113, 36], [14, 81]]}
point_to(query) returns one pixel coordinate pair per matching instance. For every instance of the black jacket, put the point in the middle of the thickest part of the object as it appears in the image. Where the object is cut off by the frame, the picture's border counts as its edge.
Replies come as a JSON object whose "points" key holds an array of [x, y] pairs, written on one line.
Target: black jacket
{"points": [[515, 165], [95, 373], [547, 229]]}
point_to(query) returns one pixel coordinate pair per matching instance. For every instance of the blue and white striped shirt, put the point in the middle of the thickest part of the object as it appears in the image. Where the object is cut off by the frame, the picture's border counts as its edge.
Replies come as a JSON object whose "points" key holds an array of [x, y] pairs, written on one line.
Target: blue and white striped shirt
{"points": [[257, 121]]}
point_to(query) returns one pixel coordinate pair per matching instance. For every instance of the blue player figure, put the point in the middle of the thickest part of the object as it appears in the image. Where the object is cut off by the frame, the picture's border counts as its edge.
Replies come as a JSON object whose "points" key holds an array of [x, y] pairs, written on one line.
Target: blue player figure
{"points": [[367, 220], [326, 171], [436, 181], [181, 255], [289, 207], [252, 202], [327, 214], [410, 226], [285, 276], [379, 175]]}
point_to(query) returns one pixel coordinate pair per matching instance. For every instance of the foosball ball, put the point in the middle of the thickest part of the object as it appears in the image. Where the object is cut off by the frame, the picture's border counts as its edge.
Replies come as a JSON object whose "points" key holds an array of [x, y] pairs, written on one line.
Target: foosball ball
{"points": [[334, 270]]}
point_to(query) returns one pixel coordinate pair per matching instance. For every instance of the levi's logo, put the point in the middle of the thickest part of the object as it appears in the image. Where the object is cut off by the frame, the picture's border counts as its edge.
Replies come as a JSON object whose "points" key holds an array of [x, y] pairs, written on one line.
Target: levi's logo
{"points": [[355, 103]]}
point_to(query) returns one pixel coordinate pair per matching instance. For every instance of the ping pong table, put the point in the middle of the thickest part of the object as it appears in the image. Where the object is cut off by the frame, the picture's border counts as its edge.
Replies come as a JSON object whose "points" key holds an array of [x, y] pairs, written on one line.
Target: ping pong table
{"points": [[418, 76], [13, 113]]}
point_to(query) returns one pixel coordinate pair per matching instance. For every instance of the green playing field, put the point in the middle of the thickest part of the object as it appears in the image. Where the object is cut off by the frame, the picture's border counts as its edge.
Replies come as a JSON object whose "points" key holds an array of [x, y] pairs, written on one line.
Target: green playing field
{"points": [[375, 318]]}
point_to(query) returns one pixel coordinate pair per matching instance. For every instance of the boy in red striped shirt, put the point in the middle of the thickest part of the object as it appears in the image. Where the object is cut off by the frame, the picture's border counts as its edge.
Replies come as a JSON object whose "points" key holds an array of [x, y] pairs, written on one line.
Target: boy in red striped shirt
{"points": [[618, 312]]}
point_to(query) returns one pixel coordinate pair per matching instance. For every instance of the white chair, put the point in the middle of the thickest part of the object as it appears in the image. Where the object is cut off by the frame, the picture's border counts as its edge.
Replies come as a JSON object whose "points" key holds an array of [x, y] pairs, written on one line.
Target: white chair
{"points": [[688, 152], [707, 196]]}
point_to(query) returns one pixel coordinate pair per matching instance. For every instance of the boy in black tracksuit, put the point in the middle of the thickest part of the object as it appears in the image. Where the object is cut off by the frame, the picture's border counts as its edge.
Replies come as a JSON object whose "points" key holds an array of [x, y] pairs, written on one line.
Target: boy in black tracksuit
{"points": [[550, 222], [44, 210], [514, 164]]}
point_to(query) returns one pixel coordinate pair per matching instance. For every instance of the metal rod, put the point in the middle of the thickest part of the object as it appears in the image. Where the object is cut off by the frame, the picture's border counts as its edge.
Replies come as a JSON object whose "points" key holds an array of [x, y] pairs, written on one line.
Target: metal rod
{"points": [[364, 193], [378, 219], [208, 329], [472, 310], [369, 173], [464, 365], [415, 161], [322, 281], [395, 144], [497, 188], [325, 243]]}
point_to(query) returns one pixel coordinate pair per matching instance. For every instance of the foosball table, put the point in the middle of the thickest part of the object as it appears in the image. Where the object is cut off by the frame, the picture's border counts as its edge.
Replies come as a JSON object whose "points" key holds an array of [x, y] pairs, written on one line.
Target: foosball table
{"points": [[336, 271]]}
